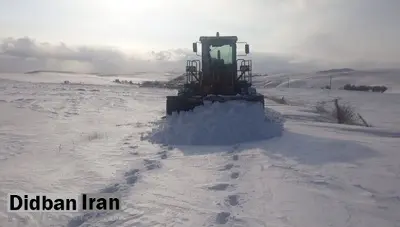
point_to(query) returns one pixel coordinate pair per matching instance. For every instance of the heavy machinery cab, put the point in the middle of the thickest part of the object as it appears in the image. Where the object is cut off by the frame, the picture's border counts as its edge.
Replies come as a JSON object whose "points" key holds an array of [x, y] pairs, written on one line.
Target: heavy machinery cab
{"points": [[219, 72]]}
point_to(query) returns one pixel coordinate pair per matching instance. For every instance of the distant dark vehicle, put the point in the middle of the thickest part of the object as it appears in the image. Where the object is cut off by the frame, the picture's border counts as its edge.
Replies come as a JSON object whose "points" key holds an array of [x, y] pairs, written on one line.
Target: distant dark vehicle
{"points": [[343, 70], [351, 87]]}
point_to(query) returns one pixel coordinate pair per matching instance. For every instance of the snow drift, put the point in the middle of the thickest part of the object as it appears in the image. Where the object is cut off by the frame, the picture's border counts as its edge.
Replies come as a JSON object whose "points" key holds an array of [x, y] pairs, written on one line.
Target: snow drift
{"points": [[218, 124]]}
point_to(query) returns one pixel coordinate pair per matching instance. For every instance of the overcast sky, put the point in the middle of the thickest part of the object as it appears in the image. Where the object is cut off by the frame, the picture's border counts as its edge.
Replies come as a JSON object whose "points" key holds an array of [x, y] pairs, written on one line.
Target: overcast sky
{"points": [[121, 35]]}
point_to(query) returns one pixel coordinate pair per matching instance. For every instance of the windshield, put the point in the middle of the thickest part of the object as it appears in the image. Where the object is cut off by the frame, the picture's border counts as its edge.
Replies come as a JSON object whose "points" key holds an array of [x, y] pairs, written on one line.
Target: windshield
{"points": [[225, 53]]}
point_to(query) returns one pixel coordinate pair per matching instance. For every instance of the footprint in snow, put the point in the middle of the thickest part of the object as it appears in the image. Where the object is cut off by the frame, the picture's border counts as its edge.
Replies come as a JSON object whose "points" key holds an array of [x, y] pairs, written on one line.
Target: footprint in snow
{"points": [[133, 149], [235, 175], [222, 217], [134, 153], [219, 187], [151, 164], [131, 176], [163, 154], [233, 200], [227, 167], [111, 188]]}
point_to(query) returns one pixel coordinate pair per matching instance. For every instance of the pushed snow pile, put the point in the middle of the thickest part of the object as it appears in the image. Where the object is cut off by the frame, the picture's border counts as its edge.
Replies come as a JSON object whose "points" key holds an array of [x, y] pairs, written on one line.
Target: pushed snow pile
{"points": [[218, 124]]}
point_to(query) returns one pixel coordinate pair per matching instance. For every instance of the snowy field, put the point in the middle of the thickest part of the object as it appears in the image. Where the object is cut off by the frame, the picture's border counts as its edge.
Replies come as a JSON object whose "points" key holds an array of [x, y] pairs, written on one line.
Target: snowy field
{"points": [[297, 169], [91, 79]]}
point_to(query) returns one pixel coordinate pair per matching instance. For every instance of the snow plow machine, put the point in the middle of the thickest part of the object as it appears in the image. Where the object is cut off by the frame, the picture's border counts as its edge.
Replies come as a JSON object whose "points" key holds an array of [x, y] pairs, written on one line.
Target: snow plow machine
{"points": [[218, 77]]}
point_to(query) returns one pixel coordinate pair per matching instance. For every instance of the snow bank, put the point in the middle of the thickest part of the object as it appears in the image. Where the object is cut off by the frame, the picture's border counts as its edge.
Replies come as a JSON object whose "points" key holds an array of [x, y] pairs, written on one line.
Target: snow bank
{"points": [[218, 124]]}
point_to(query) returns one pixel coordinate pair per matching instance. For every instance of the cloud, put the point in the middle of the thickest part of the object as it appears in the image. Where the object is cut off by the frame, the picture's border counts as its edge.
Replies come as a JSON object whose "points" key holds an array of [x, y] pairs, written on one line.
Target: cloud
{"points": [[27, 48], [25, 54], [343, 32], [323, 32]]}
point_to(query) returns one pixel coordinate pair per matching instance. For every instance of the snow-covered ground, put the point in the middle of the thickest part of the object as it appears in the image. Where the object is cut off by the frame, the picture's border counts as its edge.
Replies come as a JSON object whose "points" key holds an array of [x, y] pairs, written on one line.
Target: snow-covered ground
{"points": [[90, 79], [100, 136], [389, 78]]}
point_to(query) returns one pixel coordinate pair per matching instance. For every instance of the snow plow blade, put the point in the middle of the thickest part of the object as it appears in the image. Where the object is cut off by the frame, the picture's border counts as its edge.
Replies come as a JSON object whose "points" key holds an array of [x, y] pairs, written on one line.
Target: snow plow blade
{"points": [[182, 103]]}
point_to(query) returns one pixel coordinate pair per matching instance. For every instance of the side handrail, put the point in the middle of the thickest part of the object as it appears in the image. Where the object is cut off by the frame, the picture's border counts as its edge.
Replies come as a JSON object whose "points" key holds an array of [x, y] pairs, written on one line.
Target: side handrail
{"points": [[244, 70], [193, 68]]}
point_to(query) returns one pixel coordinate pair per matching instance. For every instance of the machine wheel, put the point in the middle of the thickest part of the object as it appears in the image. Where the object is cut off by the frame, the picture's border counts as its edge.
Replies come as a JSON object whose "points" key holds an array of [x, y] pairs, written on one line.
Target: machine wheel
{"points": [[257, 98], [172, 104], [181, 103], [261, 99]]}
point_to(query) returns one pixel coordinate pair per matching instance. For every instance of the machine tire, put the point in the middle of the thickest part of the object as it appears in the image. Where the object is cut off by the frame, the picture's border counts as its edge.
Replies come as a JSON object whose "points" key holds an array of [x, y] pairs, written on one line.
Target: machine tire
{"points": [[181, 103], [172, 104]]}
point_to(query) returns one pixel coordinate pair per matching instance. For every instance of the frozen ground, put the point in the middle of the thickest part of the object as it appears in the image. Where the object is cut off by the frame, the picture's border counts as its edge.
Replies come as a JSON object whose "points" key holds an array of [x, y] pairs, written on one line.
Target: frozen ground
{"points": [[83, 78], [99, 136]]}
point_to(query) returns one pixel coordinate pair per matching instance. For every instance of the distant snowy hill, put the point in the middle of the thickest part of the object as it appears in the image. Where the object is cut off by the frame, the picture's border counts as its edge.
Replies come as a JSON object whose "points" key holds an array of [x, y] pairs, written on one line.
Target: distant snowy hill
{"points": [[337, 78]]}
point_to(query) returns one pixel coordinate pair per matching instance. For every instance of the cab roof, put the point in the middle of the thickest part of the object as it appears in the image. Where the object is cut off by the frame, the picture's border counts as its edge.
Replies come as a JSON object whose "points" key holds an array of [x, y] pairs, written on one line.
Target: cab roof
{"points": [[218, 39]]}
